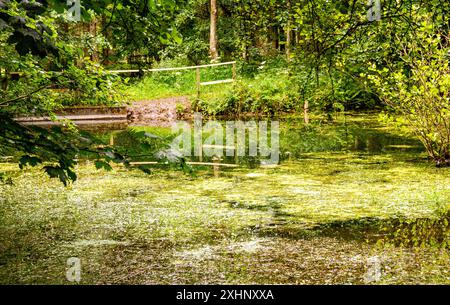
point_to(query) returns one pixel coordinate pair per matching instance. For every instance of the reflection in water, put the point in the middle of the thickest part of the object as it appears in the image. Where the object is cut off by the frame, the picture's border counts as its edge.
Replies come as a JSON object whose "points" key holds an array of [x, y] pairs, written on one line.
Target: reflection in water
{"points": [[360, 134]]}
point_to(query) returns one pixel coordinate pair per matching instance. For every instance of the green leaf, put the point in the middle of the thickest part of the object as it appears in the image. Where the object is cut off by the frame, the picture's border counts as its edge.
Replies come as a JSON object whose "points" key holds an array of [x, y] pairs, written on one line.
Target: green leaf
{"points": [[103, 165], [29, 160]]}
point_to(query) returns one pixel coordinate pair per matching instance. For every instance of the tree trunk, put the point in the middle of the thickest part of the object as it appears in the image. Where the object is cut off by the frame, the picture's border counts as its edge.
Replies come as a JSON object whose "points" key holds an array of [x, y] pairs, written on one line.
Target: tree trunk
{"points": [[5, 81], [288, 43], [288, 32], [275, 38], [106, 50], [93, 32], [306, 112], [213, 52]]}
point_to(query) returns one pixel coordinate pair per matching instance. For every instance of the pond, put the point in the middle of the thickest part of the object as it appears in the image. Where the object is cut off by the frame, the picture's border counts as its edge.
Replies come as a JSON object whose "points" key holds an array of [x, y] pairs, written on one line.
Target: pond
{"points": [[355, 133], [350, 201]]}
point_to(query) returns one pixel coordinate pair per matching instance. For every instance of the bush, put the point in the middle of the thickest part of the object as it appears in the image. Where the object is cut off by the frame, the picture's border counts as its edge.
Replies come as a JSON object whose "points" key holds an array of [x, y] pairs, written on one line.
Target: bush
{"points": [[419, 88], [270, 92]]}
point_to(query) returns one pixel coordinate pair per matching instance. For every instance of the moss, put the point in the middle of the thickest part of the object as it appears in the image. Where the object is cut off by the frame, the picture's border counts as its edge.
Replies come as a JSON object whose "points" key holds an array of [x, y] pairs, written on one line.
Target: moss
{"points": [[42, 223], [309, 220]]}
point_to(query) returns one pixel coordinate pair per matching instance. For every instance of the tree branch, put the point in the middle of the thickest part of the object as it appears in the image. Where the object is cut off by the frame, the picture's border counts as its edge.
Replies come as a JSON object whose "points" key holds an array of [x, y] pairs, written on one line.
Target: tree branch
{"points": [[25, 95]]}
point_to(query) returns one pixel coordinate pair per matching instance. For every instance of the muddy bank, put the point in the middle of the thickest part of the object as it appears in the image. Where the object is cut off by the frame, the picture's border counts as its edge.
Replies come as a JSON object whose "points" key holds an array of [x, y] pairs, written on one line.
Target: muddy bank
{"points": [[159, 112]]}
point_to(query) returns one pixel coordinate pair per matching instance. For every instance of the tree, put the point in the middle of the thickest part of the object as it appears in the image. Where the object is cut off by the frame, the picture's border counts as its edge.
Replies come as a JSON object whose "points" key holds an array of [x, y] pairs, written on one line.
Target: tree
{"points": [[288, 31], [418, 87], [33, 42], [213, 51]]}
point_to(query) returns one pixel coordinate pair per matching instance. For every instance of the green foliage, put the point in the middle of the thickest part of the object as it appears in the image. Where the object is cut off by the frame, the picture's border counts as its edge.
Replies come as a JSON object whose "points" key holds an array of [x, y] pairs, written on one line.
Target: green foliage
{"points": [[132, 26], [34, 92], [423, 232], [418, 87], [39, 145], [53, 72], [263, 95]]}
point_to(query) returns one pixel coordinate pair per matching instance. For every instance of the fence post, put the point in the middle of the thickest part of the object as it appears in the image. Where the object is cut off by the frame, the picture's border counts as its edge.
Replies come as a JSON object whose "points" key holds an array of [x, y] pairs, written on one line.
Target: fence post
{"points": [[111, 139], [216, 168], [306, 112], [236, 155], [200, 151], [234, 71], [198, 136], [198, 86]]}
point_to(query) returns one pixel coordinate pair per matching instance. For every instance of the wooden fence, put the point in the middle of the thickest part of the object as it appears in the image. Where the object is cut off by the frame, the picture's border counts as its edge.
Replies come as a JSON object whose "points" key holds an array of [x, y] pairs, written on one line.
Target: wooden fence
{"points": [[198, 80]]}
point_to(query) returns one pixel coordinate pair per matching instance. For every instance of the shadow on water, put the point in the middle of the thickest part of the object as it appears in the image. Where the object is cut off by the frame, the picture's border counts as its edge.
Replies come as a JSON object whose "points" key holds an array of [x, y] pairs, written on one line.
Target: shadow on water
{"points": [[365, 136], [272, 205], [394, 231]]}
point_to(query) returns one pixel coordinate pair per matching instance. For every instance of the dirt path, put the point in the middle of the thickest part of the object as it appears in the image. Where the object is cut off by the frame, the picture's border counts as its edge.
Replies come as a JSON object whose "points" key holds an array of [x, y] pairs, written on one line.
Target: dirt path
{"points": [[159, 112]]}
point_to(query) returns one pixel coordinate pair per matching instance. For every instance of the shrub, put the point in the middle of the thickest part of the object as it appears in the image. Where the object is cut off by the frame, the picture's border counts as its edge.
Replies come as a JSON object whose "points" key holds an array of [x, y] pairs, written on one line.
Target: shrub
{"points": [[419, 88]]}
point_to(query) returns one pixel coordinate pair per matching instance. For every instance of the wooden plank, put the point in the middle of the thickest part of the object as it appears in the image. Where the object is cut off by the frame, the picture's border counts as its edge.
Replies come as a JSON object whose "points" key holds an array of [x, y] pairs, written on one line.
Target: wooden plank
{"points": [[216, 167], [158, 69], [190, 67], [224, 81], [24, 73], [143, 163], [190, 163], [212, 164], [92, 117], [197, 82], [174, 69], [269, 165], [123, 71], [87, 123], [219, 146]]}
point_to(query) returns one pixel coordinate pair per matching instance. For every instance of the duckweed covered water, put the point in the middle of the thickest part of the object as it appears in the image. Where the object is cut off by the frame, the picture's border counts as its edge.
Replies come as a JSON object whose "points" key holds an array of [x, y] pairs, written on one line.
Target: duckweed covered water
{"points": [[343, 195]]}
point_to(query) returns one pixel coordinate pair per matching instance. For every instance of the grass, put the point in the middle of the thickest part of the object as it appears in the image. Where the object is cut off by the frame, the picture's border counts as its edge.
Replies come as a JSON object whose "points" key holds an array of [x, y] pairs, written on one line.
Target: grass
{"points": [[248, 226], [268, 91], [168, 84]]}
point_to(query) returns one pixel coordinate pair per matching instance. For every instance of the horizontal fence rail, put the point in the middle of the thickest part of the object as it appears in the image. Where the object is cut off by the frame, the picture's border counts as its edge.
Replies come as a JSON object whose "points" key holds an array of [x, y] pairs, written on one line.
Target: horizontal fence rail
{"points": [[173, 69], [147, 70]]}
